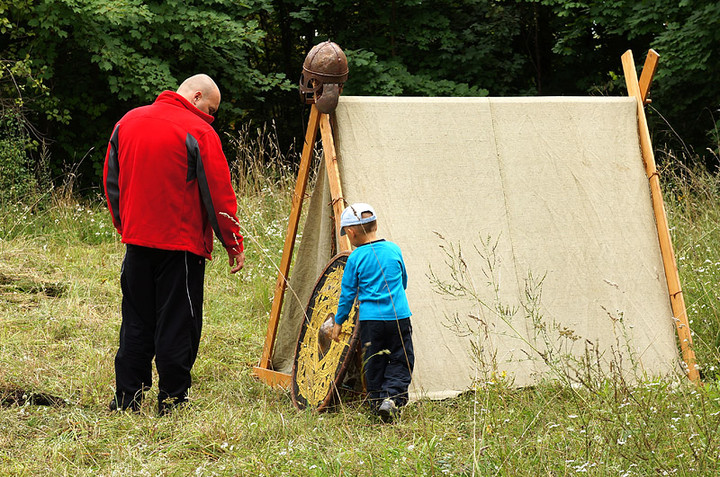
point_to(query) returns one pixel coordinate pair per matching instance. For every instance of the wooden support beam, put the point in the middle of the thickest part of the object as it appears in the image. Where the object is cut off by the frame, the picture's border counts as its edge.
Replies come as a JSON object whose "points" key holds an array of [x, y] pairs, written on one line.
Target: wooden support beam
{"points": [[672, 276], [274, 379], [333, 173], [261, 371], [647, 75]]}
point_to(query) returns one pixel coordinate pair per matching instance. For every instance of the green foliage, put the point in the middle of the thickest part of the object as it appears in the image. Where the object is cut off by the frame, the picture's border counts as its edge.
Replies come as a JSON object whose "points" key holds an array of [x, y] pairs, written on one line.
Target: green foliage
{"points": [[140, 48], [687, 90], [104, 57], [87, 62], [409, 47], [23, 96], [392, 78], [23, 86], [588, 38], [16, 175]]}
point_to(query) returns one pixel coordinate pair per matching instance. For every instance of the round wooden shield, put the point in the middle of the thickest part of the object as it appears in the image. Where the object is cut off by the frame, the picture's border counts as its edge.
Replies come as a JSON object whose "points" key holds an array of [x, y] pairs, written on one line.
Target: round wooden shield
{"points": [[320, 362]]}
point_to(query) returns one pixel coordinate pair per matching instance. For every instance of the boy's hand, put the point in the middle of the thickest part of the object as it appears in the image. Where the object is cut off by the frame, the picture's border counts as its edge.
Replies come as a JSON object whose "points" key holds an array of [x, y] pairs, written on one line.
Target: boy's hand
{"points": [[336, 332]]}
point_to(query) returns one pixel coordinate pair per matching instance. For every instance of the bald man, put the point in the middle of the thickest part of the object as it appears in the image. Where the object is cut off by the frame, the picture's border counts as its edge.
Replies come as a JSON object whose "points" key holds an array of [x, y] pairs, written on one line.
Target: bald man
{"points": [[168, 188]]}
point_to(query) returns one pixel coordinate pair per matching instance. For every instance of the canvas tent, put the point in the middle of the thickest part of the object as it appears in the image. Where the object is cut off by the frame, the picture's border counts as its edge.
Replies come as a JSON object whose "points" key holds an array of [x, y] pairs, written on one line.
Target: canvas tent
{"points": [[546, 192]]}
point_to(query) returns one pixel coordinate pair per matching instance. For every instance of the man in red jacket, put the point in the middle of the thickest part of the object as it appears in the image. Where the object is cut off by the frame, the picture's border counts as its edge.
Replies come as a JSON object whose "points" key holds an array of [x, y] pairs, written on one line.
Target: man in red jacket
{"points": [[167, 185]]}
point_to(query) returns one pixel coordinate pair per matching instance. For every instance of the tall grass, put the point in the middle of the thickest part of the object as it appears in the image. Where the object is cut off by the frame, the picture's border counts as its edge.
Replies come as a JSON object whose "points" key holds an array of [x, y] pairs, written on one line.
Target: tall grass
{"points": [[59, 320], [691, 196]]}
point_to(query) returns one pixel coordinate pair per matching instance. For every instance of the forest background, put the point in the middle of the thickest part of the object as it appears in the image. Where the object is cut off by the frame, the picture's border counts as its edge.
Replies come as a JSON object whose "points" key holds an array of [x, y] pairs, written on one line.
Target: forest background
{"points": [[69, 69]]}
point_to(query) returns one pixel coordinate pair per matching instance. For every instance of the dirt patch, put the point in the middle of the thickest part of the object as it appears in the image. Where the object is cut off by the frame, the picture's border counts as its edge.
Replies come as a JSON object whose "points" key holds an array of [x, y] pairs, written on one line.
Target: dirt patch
{"points": [[24, 284], [20, 397]]}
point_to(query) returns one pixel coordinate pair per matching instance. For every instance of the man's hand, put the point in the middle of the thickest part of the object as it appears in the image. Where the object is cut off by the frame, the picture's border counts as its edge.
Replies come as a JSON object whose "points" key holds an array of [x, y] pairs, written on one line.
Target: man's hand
{"points": [[336, 332], [237, 262]]}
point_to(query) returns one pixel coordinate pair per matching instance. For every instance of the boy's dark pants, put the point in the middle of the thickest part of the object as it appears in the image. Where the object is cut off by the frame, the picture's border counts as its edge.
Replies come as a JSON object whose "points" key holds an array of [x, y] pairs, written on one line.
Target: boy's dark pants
{"points": [[161, 318], [388, 359]]}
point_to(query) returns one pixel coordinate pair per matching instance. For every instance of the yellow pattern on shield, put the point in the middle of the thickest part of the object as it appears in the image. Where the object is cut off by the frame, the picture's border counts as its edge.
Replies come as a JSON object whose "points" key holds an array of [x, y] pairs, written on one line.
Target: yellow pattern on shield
{"points": [[316, 371]]}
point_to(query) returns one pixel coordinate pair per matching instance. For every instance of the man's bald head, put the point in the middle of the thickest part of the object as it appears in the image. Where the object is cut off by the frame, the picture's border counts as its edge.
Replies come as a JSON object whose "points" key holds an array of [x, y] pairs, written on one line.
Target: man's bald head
{"points": [[202, 92]]}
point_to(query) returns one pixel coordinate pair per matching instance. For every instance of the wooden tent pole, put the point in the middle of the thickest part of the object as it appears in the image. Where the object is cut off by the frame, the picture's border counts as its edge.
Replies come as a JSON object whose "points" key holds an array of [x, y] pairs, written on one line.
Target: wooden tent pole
{"points": [[333, 173], [647, 75], [263, 370], [677, 301]]}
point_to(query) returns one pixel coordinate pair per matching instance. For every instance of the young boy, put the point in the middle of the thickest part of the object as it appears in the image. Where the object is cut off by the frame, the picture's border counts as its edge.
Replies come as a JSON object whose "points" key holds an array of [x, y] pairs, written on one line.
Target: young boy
{"points": [[375, 274]]}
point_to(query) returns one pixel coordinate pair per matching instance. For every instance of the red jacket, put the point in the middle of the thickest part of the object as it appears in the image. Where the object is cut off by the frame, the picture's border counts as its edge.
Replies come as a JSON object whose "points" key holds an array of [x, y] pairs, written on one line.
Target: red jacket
{"points": [[167, 181]]}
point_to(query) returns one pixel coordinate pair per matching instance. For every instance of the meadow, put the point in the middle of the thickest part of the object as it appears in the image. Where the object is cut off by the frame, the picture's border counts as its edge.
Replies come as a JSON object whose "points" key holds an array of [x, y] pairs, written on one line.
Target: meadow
{"points": [[59, 319]]}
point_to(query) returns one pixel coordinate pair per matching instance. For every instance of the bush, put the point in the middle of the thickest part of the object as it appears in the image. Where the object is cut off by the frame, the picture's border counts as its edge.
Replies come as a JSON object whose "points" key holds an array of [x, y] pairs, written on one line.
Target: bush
{"points": [[17, 177]]}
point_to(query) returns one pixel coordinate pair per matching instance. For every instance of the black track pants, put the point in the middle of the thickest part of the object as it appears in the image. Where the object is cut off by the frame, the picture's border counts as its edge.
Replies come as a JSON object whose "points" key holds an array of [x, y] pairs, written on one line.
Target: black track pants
{"points": [[161, 318], [388, 359]]}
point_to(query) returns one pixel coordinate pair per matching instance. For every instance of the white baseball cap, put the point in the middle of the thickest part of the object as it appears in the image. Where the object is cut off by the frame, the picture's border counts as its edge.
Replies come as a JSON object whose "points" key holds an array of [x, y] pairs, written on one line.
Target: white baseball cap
{"points": [[353, 215]]}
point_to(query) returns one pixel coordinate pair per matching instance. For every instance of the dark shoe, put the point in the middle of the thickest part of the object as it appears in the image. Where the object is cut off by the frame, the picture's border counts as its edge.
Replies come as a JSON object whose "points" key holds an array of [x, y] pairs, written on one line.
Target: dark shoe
{"points": [[168, 405], [388, 410], [117, 406]]}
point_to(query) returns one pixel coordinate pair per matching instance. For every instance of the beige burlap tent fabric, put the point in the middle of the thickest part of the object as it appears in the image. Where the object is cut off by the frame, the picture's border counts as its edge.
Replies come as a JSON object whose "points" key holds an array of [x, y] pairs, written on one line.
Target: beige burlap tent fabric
{"points": [[547, 200]]}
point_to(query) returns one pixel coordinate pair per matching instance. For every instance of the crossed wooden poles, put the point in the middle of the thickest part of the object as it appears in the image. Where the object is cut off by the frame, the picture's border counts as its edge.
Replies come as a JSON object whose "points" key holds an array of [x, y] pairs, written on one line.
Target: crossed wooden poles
{"points": [[264, 370], [636, 88], [639, 89]]}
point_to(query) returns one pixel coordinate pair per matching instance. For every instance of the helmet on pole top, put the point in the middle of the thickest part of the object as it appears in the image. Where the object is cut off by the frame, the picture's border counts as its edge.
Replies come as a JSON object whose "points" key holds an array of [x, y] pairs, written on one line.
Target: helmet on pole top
{"points": [[324, 72]]}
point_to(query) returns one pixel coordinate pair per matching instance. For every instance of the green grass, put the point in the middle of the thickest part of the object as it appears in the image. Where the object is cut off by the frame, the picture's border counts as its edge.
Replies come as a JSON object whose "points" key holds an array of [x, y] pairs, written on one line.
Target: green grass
{"points": [[691, 197], [59, 321]]}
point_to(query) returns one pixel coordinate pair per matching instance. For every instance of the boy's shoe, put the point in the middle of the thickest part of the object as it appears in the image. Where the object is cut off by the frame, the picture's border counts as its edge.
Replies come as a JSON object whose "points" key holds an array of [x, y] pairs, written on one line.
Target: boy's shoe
{"points": [[388, 410], [168, 405]]}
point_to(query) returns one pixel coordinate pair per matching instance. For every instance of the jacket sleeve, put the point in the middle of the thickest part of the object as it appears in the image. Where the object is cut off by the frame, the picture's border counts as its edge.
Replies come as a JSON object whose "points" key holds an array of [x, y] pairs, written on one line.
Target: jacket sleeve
{"points": [[348, 292], [217, 193], [111, 180]]}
